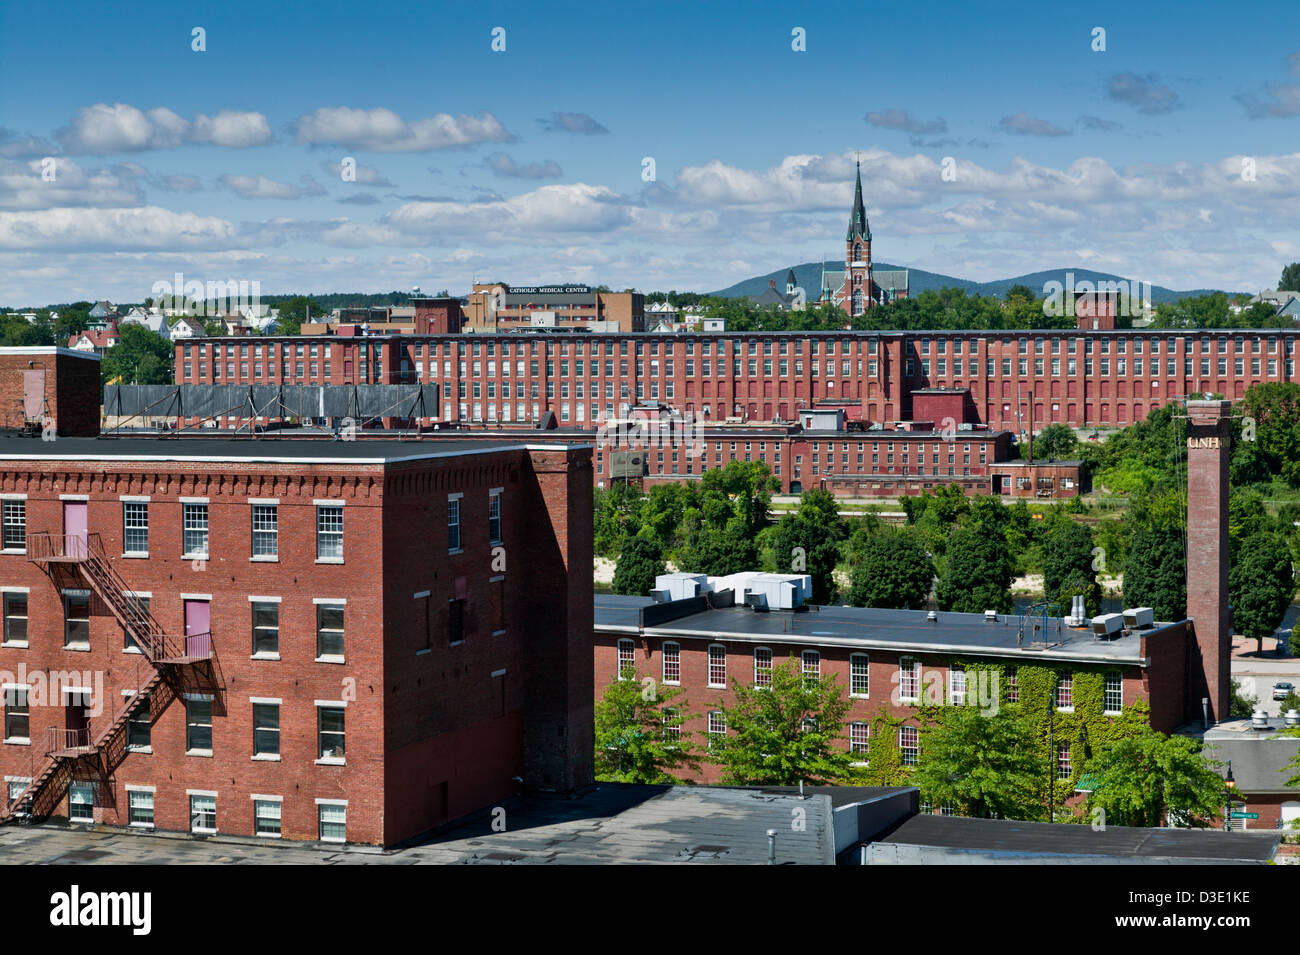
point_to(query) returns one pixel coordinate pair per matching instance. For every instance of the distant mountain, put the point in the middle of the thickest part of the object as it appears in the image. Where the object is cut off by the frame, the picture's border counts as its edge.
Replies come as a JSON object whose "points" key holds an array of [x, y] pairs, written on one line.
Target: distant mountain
{"points": [[808, 275]]}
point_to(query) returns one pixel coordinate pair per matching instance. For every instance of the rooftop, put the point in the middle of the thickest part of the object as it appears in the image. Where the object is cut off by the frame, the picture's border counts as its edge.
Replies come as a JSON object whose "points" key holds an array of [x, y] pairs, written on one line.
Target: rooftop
{"points": [[861, 627], [287, 450], [931, 840]]}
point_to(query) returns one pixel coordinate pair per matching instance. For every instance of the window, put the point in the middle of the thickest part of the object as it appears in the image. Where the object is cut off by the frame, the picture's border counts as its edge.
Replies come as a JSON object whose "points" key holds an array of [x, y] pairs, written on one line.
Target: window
{"points": [[139, 603], [762, 666], [909, 744], [81, 802], [15, 525], [1063, 761], [1114, 695], [329, 532], [1064, 692], [266, 530], [15, 606], [266, 815], [329, 728], [672, 653], [717, 665], [198, 725], [135, 527], [203, 813], [626, 658], [859, 675], [494, 519], [139, 728], [672, 724], [195, 529], [717, 725], [333, 823], [1013, 687], [453, 524], [18, 720], [957, 687], [812, 666], [266, 729], [329, 630], [76, 616], [266, 628], [859, 735], [141, 812], [909, 679]]}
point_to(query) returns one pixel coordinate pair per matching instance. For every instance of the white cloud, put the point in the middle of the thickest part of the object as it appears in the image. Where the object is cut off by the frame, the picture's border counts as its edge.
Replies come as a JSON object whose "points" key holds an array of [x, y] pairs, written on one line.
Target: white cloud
{"points": [[382, 130], [102, 129], [365, 175], [259, 187], [147, 227]]}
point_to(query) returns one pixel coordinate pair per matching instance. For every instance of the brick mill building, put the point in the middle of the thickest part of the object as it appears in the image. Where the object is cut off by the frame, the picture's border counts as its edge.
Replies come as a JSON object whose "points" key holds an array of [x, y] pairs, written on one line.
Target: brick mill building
{"points": [[701, 633], [299, 639]]}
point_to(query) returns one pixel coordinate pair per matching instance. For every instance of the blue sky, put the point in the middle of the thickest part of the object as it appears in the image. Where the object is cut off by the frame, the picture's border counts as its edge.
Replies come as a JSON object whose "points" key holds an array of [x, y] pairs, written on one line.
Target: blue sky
{"points": [[1173, 156]]}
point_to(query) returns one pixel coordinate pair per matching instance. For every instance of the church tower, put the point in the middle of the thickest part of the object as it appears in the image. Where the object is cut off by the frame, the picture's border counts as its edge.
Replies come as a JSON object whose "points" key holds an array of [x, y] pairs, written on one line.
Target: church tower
{"points": [[857, 256]]}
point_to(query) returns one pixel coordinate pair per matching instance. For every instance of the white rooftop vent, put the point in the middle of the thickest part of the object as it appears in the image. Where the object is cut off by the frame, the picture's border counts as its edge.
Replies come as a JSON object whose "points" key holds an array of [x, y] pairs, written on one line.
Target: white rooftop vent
{"points": [[1292, 718], [991, 615], [1107, 624], [1259, 720], [932, 616], [1139, 618]]}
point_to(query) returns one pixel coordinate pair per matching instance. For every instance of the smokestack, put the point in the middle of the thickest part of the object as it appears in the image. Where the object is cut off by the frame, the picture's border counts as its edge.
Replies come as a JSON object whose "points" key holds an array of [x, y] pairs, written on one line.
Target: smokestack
{"points": [[1209, 437]]}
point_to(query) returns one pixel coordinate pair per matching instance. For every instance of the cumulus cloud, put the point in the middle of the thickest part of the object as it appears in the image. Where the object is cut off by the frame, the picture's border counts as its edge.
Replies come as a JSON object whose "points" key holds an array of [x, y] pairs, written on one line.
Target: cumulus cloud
{"points": [[901, 119], [147, 227], [503, 165], [1145, 93], [382, 130], [1022, 124], [365, 175], [102, 129], [572, 123], [14, 146], [259, 187], [23, 185]]}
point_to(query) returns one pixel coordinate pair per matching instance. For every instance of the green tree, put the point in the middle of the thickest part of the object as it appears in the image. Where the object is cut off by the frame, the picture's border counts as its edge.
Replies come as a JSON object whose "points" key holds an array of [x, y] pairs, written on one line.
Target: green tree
{"points": [[976, 572], [1154, 574], [1142, 779], [808, 542], [639, 733], [1022, 292], [1067, 567], [637, 567], [1261, 583], [140, 357], [295, 311], [1290, 280], [893, 570], [1242, 706], [981, 765], [785, 732], [1056, 442]]}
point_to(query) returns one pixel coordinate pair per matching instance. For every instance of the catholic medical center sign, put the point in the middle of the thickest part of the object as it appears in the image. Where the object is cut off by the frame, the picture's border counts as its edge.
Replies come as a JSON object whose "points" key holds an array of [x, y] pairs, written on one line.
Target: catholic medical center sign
{"points": [[550, 290]]}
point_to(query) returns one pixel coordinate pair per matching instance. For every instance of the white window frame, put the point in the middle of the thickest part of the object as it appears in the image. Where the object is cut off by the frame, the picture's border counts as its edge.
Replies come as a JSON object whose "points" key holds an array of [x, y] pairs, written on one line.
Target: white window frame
{"points": [[626, 657], [763, 653], [671, 649], [330, 534], [956, 696], [709, 663], [865, 674], [909, 676], [1118, 676]]}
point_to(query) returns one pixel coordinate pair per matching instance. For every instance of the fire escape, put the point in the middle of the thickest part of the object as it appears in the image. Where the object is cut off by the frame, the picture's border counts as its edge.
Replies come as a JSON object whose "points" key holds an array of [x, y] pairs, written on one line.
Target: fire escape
{"points": [[169, 666]]}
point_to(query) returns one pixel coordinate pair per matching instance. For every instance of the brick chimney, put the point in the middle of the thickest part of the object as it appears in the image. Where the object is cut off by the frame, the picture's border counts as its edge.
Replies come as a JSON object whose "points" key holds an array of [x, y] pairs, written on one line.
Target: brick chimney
{"points": [[1209, 438]]}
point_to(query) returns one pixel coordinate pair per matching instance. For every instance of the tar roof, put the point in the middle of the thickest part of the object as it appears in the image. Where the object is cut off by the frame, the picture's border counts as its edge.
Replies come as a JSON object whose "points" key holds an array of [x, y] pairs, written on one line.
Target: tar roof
{"points": [[1258, 765], [953, 633], [267, 449], [1025, 840]]}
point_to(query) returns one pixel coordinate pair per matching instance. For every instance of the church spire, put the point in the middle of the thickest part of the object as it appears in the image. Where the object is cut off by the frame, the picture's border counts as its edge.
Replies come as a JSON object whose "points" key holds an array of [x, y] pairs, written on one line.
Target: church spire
{"points": [[858, 219]]}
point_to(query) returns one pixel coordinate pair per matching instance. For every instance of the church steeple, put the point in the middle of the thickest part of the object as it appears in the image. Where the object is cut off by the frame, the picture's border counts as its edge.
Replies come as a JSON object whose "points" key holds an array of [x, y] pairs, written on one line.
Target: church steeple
{"points": [[858, 226]]}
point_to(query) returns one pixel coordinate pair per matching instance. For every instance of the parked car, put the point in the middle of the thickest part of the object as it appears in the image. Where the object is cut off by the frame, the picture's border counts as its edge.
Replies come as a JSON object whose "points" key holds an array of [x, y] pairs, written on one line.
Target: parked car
{"points": [[1280, 690]]}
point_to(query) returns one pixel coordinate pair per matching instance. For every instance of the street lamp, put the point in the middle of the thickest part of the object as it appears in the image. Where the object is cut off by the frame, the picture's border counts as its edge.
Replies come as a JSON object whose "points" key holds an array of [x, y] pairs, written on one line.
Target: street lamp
{"points": [[1231, 785]]}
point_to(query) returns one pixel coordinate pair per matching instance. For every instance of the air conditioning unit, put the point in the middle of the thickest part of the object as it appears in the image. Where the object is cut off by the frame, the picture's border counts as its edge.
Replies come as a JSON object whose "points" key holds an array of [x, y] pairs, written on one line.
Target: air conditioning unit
{"points": [[1139, 618], [1107, 625], [991, 615]]}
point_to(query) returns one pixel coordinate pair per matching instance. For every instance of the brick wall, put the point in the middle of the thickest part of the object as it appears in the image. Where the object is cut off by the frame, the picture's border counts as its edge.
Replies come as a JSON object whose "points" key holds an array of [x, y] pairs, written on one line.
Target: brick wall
{"points": [[71, 388]]}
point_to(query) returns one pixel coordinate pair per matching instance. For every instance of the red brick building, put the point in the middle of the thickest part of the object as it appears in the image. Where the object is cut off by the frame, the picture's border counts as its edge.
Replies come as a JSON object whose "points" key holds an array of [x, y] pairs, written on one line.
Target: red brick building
{"points": [[345, 641], [49, 389]]}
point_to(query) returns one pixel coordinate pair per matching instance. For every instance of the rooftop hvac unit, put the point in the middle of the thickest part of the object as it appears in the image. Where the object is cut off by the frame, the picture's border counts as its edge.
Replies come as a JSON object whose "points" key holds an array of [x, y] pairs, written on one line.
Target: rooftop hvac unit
{"points": [[661, 596], [1107, 625], [1139, 618], [756, 601]]}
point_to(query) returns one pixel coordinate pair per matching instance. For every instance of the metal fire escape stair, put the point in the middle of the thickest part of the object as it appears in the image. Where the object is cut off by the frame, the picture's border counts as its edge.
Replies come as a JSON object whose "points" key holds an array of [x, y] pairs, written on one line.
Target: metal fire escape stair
{"points": [[168, 666]]}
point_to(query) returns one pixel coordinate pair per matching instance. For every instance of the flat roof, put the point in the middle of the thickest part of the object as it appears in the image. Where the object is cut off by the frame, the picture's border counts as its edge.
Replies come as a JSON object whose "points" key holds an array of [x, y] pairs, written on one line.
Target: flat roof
{"points": [[947, 839], [275, 450], [867, 628]]}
